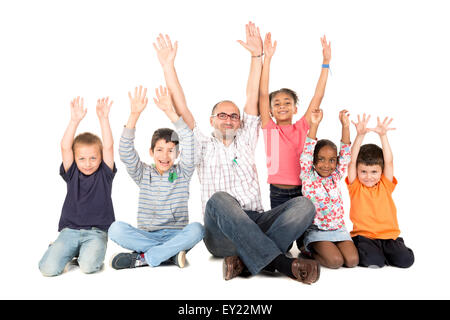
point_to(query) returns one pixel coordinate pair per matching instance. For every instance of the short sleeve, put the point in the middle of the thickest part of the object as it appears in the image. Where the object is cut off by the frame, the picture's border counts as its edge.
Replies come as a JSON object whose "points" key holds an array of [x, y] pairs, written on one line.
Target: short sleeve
{"points": [[352, 187], [302, 125], [390, 185], [110, 174], [67, 176]]}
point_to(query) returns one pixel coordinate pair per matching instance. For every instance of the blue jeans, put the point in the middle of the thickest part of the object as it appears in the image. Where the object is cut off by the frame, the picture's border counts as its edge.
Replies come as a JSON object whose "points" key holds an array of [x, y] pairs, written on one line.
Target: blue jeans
{"points": [[157, 246], [257, 238], [279, 196], [88, 245]]}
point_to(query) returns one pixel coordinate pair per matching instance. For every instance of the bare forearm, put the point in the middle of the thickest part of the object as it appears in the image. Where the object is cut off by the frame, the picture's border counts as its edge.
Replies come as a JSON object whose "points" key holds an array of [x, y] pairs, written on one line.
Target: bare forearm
{"points": [[312, 133], [251, 106], [264, 101], [177, 94], [346, 135], [132, 120], [107, 137], [69, 134], [387, 152]]}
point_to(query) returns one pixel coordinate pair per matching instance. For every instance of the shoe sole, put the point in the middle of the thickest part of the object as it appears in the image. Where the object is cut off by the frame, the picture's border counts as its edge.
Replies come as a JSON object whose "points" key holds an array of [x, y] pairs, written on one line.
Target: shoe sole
{"points": [[181, 259]]}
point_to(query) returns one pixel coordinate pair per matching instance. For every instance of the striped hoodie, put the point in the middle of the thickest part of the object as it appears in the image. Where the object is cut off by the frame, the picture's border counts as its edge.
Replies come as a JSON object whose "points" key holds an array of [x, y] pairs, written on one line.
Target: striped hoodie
{"points": [[163, 199]]}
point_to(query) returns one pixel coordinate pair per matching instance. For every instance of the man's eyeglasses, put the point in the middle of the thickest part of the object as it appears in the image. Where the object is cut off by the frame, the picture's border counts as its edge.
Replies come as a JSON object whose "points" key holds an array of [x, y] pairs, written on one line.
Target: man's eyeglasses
{"points": [[225, 116]]}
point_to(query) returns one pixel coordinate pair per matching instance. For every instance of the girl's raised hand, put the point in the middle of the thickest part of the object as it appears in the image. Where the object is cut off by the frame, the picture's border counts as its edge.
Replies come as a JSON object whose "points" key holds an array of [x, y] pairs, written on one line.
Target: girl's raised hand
{"points": [[253, 42], [164, 49], [103, 107], [343, 117], [361, 125], [316, 116], [269, 49], [382, 127], [139, 101], [163, 100], [77, 110], [326, 50]]}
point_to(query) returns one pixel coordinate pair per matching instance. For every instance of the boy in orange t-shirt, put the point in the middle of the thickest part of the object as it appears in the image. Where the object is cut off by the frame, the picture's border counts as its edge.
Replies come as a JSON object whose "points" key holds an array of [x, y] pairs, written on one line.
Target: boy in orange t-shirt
{"points": [[370, 184]]}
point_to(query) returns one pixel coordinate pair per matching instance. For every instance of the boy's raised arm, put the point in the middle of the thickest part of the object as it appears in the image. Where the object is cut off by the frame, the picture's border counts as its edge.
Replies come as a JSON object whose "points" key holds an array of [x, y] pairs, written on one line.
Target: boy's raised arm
{"points": [[138, 103], [164, 103], [264, 101], [382, 128], [77, 113], [103, 108], [322, 83], [166, 55], [254, 45], [361, 130]]}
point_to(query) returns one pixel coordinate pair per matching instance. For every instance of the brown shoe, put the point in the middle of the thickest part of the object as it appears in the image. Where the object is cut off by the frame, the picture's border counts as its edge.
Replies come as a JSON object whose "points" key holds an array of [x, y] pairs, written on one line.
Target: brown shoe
{"points": [[232, 267], [305, 270]]}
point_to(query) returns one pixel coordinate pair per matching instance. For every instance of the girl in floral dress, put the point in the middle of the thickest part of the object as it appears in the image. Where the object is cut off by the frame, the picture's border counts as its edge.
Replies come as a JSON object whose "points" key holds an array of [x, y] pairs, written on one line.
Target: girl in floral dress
{"points": [[321, 172]]}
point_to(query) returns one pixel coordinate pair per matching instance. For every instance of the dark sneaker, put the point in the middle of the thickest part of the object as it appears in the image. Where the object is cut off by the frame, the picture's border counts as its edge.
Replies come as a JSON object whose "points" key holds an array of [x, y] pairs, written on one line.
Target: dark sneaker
{"points": [[180, 259], [127, 261]]}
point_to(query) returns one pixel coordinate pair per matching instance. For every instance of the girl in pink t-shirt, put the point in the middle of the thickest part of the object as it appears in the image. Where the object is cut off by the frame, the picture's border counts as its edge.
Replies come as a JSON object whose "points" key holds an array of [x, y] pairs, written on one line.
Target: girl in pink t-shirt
{"points": [[284, 139]]}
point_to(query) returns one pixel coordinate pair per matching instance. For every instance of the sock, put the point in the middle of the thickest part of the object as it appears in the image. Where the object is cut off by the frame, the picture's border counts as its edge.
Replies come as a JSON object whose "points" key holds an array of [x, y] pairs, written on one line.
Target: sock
{"points": [[283, 264], [140, 260]]}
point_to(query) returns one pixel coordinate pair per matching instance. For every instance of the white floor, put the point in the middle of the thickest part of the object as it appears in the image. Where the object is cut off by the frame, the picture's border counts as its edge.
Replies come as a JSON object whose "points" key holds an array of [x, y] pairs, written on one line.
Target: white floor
{"points": [[202, 279]]}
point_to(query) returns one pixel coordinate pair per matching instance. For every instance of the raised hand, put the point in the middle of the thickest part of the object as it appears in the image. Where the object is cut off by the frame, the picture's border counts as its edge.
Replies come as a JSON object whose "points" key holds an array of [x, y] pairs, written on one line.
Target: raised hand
{"points": [[253, 42], [139, 100], [343, 117], [326, 50], [163, 100], [103, 107], [316, 116], [361, 125], [165, 51], [269, 49], [77, 110], [382, 127]]}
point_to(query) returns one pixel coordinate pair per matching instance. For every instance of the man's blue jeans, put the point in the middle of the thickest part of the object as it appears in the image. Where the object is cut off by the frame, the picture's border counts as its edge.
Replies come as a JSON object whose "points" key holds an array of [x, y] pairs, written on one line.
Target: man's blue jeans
{"points": [[157, 246], [257, 238], [88, 245]]}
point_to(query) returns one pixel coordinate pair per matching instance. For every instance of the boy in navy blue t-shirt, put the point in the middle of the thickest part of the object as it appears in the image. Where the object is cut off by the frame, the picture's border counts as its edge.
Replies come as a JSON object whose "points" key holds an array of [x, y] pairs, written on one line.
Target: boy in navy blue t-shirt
{"points": [[88, 169]]}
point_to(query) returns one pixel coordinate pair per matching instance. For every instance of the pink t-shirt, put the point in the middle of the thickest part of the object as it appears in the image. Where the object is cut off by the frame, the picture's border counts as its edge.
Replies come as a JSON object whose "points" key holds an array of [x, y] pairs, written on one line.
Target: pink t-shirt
{"points": [[284, 145]]}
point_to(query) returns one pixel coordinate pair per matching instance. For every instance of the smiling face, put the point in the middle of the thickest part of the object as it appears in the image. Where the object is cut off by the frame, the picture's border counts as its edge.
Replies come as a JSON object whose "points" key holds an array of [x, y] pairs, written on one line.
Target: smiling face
{"points": [[283, 107], [164, 154], [326, 161], [88, 157], [226, 128], [369, 176]]}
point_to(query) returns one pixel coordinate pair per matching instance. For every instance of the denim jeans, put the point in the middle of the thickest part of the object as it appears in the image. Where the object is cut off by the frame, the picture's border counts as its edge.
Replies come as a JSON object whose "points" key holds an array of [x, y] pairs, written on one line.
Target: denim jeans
{"points": [[157, 246], [257, 238], [279, 196], [88, 245]]}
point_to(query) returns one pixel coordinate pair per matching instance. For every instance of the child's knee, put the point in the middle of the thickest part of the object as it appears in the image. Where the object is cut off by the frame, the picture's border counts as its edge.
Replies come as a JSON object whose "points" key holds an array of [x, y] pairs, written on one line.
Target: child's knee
{"points": [[49, 269], [403, 260], [90, 267], [198, 230], [351, 261], [115, 229], [334, 261]]}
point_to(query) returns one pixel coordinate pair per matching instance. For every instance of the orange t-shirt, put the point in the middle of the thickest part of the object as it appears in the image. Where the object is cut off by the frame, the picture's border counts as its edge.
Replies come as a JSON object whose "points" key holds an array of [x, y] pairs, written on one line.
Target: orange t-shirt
{"points": [[372, 210]]}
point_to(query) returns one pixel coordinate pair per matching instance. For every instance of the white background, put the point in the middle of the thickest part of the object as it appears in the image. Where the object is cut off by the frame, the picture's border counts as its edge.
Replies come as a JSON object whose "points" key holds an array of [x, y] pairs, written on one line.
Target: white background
{"points": [[388, 58]]}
